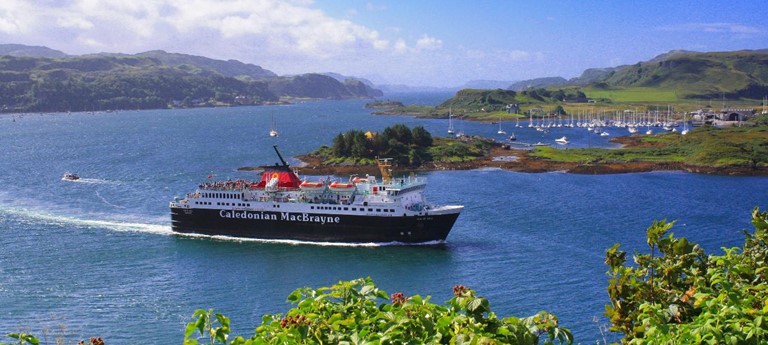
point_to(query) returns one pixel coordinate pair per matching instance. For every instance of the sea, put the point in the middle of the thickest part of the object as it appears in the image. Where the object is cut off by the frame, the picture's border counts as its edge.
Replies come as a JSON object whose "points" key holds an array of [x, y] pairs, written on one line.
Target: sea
{"points": [[97, 258]]}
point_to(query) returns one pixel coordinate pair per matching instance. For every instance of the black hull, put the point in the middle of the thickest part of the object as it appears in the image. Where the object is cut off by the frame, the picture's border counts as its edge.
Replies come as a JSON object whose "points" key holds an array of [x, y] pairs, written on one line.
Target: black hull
{"points": [[311, 227]]}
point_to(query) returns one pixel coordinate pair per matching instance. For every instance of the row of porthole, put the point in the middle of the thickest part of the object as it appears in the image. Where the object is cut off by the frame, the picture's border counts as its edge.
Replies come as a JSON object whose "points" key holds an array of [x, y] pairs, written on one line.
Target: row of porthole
{"points": [[337, 208], [221, 195], [222, 204]]}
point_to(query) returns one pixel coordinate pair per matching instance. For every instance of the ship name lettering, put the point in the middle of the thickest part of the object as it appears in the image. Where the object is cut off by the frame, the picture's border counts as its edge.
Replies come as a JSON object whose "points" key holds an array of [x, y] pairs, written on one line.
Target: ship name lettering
{"points": [[304, 217], [247, 215]]}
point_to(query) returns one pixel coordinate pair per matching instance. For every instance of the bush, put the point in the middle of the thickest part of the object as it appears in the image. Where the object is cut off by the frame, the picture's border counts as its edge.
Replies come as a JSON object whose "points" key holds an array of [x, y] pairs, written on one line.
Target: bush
{"points": [[678, 295], [357, 312]]}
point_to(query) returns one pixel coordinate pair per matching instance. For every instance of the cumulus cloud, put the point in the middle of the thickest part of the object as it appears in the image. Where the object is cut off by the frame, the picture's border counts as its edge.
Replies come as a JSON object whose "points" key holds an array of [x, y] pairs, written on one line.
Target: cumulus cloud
{"points": [[285, 36], [142, 25]]}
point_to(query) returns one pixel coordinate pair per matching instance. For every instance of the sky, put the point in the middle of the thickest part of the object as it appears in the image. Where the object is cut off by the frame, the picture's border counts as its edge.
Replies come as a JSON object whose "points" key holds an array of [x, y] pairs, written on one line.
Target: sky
{"points": [[442, 43]]}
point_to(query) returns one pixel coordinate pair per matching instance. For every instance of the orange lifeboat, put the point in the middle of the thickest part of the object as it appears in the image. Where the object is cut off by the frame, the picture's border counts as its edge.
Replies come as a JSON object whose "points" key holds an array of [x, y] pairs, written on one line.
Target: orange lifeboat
{"points": [[341, 187], [312, 186]]}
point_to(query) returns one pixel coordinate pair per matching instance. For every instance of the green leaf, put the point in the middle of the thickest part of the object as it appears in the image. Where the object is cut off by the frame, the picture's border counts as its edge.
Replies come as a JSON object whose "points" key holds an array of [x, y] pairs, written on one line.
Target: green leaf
{"points": [[191, 327], [367, 289], [474, 304], [416, 299], [295, 296]]}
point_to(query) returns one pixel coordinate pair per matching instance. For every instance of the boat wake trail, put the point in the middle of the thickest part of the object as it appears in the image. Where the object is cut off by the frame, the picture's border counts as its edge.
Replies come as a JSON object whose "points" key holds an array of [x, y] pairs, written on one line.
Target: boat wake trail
{"points": [[107, 202], [74, 222], [91, 181]]}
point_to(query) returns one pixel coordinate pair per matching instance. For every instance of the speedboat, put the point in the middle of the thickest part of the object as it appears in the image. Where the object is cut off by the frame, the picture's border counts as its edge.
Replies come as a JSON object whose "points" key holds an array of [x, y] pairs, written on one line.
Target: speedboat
{"points": [[70, 177], [562, 140]]}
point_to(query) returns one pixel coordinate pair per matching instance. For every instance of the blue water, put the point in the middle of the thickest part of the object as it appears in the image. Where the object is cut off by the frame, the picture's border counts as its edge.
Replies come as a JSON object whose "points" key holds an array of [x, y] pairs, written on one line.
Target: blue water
{"points": [[97, 258]]}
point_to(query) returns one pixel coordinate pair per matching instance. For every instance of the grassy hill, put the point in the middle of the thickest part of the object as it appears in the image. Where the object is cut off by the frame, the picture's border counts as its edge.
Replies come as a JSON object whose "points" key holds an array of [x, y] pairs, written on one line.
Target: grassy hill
{"points": [[740, 74], [149, 81], [679, 78], [686, 74]]}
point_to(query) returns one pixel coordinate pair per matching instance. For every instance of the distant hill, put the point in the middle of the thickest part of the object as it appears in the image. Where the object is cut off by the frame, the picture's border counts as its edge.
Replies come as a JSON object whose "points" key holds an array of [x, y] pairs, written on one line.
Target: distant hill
{"points": [[320, 86], [592, 75], [734, 74], [229, 68], [479, 100], [368, 86], [401, 88], [153, 79], [30, 51], [691, 74], [537, 83], [487, 84]]}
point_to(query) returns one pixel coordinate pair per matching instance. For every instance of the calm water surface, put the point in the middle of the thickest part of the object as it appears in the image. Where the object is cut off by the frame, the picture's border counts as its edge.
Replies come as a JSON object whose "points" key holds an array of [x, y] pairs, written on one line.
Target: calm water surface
{"points": [[97, 257]]}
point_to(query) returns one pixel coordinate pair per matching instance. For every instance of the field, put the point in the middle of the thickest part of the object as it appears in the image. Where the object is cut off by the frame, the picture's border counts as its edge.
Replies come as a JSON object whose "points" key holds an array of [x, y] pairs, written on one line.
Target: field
{"points": [[634, 95]]}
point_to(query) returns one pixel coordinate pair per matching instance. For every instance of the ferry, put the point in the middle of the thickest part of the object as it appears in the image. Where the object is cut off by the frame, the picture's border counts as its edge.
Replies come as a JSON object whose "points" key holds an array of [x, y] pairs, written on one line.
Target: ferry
{"points": [[280, 206]]}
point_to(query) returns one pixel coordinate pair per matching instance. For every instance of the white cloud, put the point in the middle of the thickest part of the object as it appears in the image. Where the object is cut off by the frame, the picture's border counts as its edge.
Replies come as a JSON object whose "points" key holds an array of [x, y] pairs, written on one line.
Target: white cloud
{"points": [[285, 36], [13, 18], [74, 22], [430, 43], [400, 46], [143, 25], [734, 28]]}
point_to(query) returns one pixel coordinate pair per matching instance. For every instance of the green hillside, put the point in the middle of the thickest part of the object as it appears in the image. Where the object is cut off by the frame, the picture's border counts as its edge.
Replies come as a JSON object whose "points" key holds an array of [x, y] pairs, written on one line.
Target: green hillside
{"points": [[115, 82], [474, 101], [740, 74], [151, 80], [679, 78]]}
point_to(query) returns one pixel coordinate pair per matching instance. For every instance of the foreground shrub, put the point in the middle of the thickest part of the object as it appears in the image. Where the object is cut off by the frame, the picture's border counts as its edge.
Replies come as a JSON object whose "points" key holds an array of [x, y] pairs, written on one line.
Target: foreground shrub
{"points": [[357, 312], [678, 295]]}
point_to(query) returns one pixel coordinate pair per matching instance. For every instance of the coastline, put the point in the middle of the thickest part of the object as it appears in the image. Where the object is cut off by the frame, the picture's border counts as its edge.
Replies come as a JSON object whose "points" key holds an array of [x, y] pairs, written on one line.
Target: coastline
{"points": [[503, 157]]}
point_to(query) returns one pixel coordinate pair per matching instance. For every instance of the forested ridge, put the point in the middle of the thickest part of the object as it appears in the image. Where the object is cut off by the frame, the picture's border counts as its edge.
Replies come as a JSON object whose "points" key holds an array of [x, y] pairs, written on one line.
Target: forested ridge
{"points": [[154, 80]]}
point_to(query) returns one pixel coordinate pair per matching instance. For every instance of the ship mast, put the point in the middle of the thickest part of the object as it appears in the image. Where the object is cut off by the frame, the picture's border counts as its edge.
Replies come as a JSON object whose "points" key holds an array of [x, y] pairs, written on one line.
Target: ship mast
{"points": [[280, 156], [385, 166]]}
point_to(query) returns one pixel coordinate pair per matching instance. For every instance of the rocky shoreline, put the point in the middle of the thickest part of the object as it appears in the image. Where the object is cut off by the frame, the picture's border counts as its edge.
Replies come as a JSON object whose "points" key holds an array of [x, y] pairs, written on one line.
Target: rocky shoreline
{"points": [[519, 160]]}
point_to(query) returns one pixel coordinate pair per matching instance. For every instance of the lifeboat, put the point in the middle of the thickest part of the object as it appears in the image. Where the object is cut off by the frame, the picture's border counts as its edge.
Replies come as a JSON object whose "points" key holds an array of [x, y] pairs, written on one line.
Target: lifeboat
{"points": [[308, 186], [341, 187]]}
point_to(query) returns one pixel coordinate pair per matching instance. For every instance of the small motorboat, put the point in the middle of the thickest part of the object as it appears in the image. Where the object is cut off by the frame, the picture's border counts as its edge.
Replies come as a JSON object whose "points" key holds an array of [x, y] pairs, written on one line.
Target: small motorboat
{"points": [[70, 177], [562, 140]]}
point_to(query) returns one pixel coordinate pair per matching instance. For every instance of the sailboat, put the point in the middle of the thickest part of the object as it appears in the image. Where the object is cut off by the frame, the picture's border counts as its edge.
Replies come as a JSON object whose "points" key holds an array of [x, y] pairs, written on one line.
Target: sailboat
{"points": [[685, 126], [501, 131], [273, 130]]}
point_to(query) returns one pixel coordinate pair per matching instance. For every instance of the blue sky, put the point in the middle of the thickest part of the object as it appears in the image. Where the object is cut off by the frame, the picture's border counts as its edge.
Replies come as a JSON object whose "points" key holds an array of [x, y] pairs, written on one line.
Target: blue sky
{"points": [[417, 43]]}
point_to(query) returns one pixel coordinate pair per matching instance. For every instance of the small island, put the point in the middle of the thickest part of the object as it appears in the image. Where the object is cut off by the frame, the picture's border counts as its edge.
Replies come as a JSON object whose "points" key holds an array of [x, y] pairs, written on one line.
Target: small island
{"points": [[706, 150]]}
